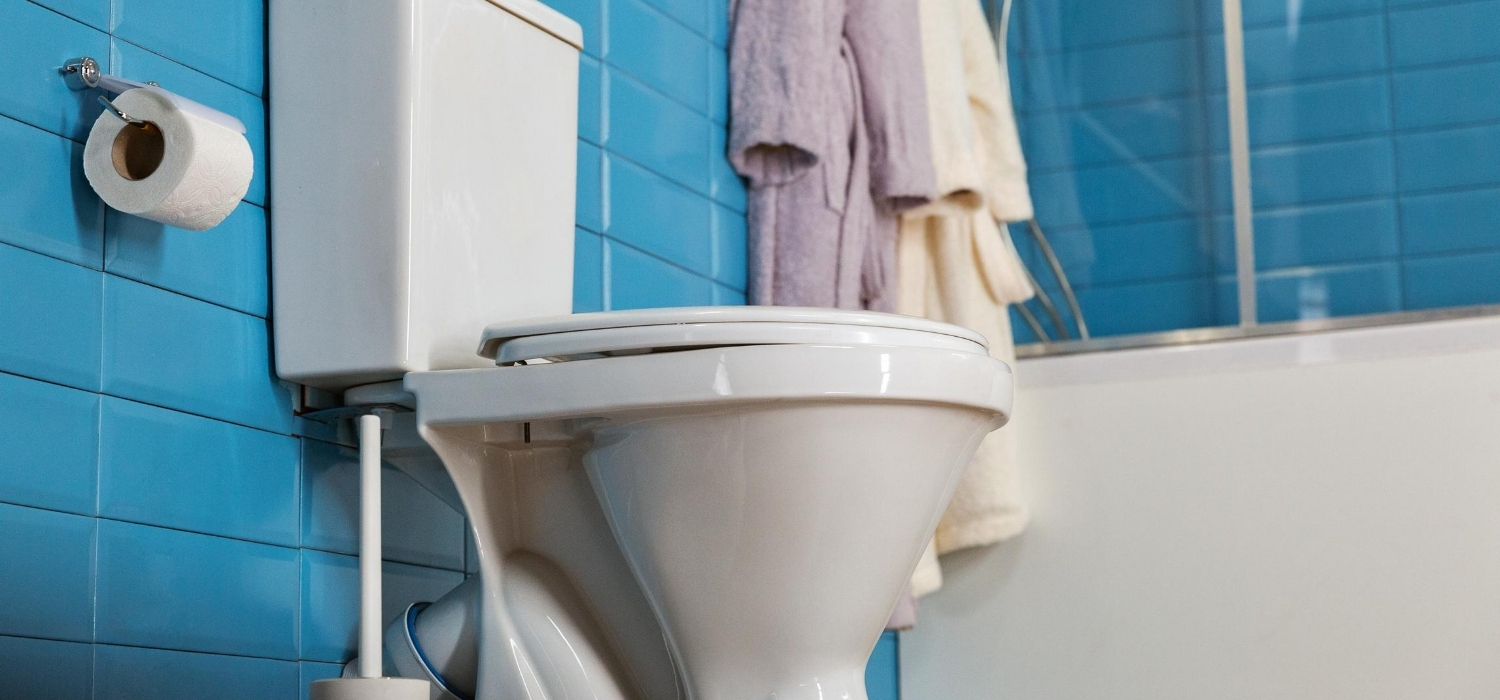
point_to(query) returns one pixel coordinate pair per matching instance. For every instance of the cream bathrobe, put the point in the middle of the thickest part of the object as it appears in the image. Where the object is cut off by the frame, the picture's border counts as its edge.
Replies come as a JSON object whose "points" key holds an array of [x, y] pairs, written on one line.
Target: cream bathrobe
{"points": [[955, 263]]}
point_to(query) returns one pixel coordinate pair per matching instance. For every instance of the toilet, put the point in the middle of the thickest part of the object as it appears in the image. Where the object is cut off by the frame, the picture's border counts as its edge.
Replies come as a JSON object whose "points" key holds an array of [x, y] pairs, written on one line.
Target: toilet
{"points": [[697, 503]]}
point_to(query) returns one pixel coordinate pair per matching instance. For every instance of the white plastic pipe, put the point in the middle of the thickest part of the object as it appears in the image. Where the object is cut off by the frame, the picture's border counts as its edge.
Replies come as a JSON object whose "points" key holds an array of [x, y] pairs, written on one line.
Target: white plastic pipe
{"points": [[370, 653], [1239, 160]]}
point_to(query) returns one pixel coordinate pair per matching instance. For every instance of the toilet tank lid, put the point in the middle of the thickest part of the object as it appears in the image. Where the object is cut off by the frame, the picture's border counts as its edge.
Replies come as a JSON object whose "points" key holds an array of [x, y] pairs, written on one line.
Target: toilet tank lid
{"points": [[544, 18], [499, 334]]}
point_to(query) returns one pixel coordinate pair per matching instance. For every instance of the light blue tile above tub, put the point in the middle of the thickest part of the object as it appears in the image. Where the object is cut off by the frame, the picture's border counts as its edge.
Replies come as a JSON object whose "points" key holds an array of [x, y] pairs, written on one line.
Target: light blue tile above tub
{"points": [[1161, 68], [1305, 294], [730, 255], [588, 208], [223, 38], [1144, 130], [49, 319], [657, 132], [186, 472], [1449, 158], [1073, 24], [693, 13], [419, 528], [1148, 307], [589, 14], [1103, 255], [37, 43], [590, 100], [660, 51], [309, 671], [1289, 175], [44, 669], [718, 85], [588, 271], [1327, 234], [46, 574], [658, 216], [48, 203], [1451, 221], [330, 600], [638, 280], [1329, 48], [129, 673], [724, 296], [181, 590], [1309, 112], [1451, 280], [169, 350], [1120, 193], [1447, 95], [725, 185], [94, 13], [1287, 14], [1460, 31], [226, 265], [882, 672], [133, 62], [49, 445]]}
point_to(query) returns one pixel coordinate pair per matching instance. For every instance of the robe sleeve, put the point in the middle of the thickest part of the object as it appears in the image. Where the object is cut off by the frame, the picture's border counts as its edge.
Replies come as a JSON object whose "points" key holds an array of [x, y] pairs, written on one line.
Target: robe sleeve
{"points": [[886, 39], [776, 89], [1006, 192]]}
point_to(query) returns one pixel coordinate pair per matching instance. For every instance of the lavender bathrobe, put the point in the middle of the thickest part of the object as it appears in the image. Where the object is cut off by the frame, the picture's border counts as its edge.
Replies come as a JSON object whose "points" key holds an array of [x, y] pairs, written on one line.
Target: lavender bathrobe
{"points": [[828, 123]]}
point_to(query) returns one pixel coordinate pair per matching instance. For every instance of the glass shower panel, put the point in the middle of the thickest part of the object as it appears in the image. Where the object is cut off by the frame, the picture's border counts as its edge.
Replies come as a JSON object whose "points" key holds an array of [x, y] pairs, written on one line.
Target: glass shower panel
{"points": [[1375, 135], [1122, 116]]}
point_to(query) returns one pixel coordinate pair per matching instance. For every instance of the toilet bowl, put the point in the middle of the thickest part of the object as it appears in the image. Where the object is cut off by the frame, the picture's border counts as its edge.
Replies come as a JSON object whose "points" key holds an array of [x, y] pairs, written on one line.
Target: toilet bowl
{"points": [[711, 504]]}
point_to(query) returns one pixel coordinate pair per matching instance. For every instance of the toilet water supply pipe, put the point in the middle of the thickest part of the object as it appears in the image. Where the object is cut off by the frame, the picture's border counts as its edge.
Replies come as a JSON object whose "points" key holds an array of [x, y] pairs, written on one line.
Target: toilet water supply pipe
{"points": [[370, 653]]}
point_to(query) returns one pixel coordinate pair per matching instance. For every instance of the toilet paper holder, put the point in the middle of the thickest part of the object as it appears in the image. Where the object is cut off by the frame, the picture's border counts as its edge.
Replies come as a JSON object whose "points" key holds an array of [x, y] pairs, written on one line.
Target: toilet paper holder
{"points": [[83, 73]]}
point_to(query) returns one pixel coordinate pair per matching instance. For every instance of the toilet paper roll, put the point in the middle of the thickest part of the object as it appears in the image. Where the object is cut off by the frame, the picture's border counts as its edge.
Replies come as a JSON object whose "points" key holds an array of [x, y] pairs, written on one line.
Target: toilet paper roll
{"points": [[179, 168]]}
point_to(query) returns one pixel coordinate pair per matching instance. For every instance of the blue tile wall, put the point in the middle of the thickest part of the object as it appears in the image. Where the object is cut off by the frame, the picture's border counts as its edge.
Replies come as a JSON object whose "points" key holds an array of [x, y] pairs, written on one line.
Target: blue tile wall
{"points": [[1375, 154], [165, 525]]}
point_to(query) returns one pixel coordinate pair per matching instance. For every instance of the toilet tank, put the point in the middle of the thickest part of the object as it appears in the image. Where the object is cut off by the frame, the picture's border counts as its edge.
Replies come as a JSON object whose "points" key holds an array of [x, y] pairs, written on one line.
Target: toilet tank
{"points": [[422, 157]]}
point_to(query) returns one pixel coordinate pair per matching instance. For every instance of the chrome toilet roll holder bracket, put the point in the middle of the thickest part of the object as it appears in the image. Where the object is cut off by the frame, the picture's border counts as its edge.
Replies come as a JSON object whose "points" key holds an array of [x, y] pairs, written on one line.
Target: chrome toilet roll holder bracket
{"points": [[83, 73]]}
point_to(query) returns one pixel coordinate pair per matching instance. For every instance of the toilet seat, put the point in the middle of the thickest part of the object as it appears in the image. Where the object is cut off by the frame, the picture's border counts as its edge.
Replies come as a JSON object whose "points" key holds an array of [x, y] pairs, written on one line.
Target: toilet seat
{"points": [[615, 333]]}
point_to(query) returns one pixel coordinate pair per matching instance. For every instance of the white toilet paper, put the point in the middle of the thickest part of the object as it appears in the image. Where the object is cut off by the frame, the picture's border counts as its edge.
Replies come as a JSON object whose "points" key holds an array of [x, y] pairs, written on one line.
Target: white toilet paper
{"points": [[180, 168]]}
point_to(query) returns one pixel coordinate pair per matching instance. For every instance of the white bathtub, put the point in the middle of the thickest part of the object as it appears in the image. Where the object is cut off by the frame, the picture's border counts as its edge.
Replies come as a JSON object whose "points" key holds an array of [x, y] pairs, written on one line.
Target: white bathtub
{"points": [[1293, 518]]}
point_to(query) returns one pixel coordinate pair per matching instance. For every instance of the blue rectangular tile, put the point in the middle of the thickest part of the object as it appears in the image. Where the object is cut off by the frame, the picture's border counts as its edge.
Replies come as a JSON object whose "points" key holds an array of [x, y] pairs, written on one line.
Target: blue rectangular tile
{"points": [[1451, 221], [129, 673], [226, 266], [50, 445], [1304, 51], [1148, 307], [309, 671], [1137, 131], [590, 100], [46, 574], [660, 217], [659, 51], [1450, 158], [882, 672], [1461, 31], [1451, 280], [169, 350], [1306, 294], [693, 13], [725, 185], [43, 669], [1448, 95], [419, 528], [640, 281], [1104, 255], [223, 38], [1117, 73], [657, 132], [1072, 24], [588, 272], [1282, 12], [724, 296], [588, 209], [589, 14], [330, 599], [1120, 193], [181, 590], [178, 470], [1310, 111], [1317, 235], [50, 313], [94, 13], [729, 247], [718, 23], [718, 85], [37, 42], [133, 62], [48, 204], [1284, 176]]}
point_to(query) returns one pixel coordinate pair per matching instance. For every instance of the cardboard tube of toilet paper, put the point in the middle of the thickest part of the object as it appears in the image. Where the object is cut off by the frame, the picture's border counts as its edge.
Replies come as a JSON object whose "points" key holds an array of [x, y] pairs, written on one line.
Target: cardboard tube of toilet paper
{"points": [[178, 168]]}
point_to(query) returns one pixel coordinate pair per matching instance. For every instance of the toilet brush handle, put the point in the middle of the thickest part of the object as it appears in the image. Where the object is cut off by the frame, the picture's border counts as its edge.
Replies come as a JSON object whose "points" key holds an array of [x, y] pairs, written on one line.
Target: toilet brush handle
{"points": [[370, 654]]}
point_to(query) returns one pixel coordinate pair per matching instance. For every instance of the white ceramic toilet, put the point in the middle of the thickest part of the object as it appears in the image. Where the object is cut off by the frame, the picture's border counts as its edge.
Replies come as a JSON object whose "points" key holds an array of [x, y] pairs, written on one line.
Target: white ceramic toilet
{"points": [[708, 504]]}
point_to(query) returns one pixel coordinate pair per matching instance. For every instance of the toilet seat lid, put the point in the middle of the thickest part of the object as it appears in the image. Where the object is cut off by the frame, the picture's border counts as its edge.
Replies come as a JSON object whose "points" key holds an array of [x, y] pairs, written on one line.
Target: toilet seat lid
{"points": [[611, 333]]}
